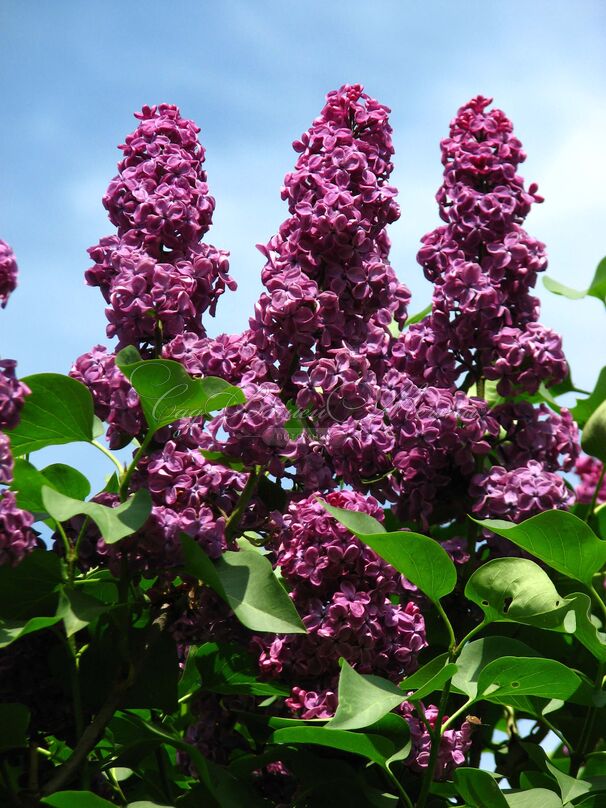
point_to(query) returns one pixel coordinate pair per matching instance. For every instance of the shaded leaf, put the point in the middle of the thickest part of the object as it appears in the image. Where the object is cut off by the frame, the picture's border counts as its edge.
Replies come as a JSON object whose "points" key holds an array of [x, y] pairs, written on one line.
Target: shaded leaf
{"points": [[585, 407], [227, 668], [593, 438], [14, 721], [431, 677], [11, 630], [477, 654], [373, 747], [77, 609], [114, 523], [478, 788], [76, 799], [59, 410], [363, 699], [29, 589], [246, 581]]}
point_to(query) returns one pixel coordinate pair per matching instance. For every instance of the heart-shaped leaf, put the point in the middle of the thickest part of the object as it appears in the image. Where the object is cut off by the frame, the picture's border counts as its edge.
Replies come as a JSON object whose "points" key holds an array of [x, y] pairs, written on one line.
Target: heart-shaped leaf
{"points": [[363, 700], [28, 481], [373, 747], [247, 583], [478, 788], [59, 410], [114, 523], [519, 591], [558, 538], [76, 799], [532, 676], [478, 654], [420, 559], [168, 393], [585, 407], [431, 677]]}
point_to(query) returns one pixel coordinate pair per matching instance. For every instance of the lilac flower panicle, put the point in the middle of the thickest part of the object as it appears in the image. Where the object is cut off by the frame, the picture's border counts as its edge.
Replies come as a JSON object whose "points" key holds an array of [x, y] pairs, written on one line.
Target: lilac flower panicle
{"points": [[538, 433], [17, 539], [454, 743], [589, 471], [12, 394], [519, 493], [6, 460], [8, 273]]}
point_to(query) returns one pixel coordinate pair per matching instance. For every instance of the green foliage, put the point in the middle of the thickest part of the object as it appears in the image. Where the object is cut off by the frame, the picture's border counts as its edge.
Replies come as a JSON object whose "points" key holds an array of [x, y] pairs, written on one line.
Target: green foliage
{"points": [[246, 582], [59, 410], [597, 287], [168, 393]]}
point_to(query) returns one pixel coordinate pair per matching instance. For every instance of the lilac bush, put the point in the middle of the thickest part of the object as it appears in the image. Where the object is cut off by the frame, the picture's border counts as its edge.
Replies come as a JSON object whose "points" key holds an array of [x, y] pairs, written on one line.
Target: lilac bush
{"points": [[315, 570]]}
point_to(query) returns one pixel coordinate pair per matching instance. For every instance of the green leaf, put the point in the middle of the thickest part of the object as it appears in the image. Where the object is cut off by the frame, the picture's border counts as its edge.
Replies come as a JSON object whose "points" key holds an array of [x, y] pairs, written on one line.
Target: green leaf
{"points": [[421, 315], [518, 676], [587, 629], [59, 410], [11, 630], [593, 439], [29, 589], [477, 654], [28, 482], [585, 407], [517, 590], [420, 559], [570, 787], [114, 523], [14, 721], [478, 788], [363, 700], [597, 287], [558, 538], [355, 521], [431, 677], [534, 798], [246, 582], [77, 610], [76, 799], [373, 747], [227, 668], [168, 393]]}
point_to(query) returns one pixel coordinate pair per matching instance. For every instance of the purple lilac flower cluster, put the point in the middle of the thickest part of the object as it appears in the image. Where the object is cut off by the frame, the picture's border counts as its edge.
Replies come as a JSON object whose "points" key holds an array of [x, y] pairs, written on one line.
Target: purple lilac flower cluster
{"points": [[591, 480], [454, 743], [328, 279], [17, 538], [483, 264], [342, 591], [156, 276], [8, 273]]}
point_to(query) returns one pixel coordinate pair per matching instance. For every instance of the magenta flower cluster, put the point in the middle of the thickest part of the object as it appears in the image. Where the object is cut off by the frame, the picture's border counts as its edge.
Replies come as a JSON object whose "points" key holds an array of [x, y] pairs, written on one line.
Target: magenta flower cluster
{"points": [[17, 538], [344, 403], [483, 264]]}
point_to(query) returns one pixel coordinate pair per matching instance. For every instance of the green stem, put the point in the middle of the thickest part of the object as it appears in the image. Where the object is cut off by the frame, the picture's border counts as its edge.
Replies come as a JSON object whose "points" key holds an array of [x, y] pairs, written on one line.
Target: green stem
{"points": [[468, 637], [135, 461], [109, 454], [590, 717], [481, 387], [559, 734], [76, 549], [449, 628], [436, 737], [233, 522], [402, 793], [452, 718], [596, 494]]}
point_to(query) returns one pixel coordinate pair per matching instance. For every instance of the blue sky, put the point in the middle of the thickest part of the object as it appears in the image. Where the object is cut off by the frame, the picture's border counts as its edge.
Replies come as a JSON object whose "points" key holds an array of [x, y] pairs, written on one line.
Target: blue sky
{"points": [[253, 75]]}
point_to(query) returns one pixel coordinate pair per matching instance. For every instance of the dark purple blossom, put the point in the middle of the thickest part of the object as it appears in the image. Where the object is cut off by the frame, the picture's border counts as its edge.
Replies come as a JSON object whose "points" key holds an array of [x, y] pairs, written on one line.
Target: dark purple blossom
{"points": [[17, 539], [519, 493], [8, 273], [454, 743], [12, 394], [538, 433], [6, 460], [591, 481]]}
